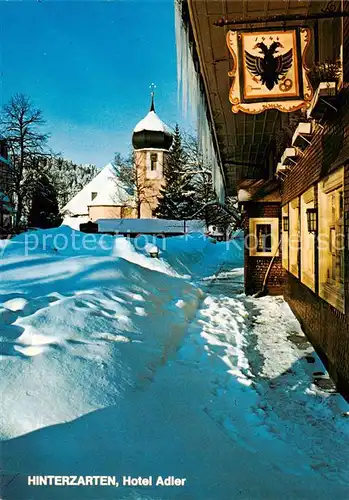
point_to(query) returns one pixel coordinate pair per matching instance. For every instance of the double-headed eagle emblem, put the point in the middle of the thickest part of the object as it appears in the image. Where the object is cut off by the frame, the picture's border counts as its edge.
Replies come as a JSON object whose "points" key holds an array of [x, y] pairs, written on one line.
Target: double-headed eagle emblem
{"points": [[271, 67]]}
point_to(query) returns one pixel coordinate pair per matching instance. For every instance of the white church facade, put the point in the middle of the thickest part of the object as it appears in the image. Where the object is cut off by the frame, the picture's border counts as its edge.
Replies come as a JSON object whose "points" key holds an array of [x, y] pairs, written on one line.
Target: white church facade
{"points": [[105, 198], [101, 198]]}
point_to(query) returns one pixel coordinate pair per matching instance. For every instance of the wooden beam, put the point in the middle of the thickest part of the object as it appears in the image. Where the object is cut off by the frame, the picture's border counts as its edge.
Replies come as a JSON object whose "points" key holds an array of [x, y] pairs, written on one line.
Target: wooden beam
{"points": [[282, 18]]}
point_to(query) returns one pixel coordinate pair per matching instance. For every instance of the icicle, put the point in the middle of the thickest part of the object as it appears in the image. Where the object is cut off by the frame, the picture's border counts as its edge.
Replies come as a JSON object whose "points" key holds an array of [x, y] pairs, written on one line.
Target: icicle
{"points": [[191, 94], [179, 48]]}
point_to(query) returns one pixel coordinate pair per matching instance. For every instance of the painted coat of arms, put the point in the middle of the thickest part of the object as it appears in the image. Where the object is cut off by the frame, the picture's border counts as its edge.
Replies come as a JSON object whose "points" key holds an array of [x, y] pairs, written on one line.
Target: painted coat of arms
{"points": [[269, 70]]}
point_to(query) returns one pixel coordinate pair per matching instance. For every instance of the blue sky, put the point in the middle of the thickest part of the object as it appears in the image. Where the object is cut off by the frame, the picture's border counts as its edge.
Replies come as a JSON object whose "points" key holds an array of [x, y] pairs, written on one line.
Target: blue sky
{"points": [[88, 66]]}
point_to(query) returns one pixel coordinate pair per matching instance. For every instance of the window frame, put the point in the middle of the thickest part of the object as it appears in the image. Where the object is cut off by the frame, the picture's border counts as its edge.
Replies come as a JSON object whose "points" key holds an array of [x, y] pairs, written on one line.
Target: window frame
{"points": [[153, 159], [307, 241], [294, 237], [274, 225], [331, 216], [285, 237]]}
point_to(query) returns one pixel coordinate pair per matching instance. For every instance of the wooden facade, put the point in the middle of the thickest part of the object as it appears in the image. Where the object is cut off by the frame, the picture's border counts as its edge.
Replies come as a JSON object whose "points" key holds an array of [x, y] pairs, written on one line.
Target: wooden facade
{"points": [[324, 314]]}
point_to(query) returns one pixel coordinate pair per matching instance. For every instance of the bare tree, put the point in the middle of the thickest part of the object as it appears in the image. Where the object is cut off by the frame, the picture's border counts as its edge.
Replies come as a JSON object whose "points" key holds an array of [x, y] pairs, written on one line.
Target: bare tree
{"points": [[20, 124], [130, 176]]}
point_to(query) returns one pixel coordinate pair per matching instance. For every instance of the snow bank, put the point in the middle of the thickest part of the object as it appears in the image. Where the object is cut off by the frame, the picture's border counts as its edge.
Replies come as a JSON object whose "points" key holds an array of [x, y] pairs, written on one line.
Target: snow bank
{"points": [[82, 322], [195, 255], [63, 240], [90, 316]]}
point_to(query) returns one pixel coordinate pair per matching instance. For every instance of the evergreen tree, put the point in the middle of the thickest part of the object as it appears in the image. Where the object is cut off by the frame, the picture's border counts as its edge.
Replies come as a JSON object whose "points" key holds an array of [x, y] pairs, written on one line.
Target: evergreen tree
{"points": [[176, 199], [201, 181], [203, 199], [44, 210]]}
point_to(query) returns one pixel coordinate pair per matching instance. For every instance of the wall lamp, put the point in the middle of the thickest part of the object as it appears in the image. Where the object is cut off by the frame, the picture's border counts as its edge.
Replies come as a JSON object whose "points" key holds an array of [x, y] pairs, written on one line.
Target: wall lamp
{"points": [[285, 221]]}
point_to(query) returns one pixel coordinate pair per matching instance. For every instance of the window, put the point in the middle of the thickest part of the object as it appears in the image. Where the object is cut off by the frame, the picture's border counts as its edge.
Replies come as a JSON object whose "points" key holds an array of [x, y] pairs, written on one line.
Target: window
{"points": [[331, 240], [307, 240], [285, 229], [93, 195], [293, 237], [154, 164], [153, 161], [264, 237]]}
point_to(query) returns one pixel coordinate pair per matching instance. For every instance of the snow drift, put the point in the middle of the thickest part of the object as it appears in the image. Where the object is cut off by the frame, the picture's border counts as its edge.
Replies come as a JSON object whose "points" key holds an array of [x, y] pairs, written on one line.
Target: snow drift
{"points": [[87, 321], [89, 316]]}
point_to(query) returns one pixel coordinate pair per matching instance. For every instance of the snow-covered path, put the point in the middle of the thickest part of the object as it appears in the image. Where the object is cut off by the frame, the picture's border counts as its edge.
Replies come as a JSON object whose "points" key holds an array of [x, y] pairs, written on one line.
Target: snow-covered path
{"points": [[145, 375], [267, 372]]}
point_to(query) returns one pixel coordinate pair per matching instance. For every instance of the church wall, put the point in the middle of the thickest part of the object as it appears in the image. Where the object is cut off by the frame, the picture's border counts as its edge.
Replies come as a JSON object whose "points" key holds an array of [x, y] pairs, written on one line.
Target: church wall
{"points": [[147, 211], [111, 212], [150, 181]]}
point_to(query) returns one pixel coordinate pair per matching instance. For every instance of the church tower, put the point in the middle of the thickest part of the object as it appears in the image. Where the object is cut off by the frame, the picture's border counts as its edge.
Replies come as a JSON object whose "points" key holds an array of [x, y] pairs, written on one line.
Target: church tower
{"points": [[151, 141]]}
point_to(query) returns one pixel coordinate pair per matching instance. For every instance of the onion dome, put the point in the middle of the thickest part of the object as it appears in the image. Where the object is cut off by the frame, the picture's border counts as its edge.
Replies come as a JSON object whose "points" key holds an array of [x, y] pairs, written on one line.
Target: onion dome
{"points": [[151, 132]]}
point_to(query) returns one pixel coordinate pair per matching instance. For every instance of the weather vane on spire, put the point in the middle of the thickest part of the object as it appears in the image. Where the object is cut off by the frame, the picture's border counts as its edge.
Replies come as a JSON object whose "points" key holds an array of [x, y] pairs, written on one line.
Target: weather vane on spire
{"points": [[152, 86]]}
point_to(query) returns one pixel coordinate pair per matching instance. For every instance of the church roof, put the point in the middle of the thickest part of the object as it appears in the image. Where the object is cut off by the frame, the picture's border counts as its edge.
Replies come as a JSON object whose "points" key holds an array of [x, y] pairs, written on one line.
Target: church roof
{"points": [[108, 193], [111, 195], [152, 122], [151, 132]]}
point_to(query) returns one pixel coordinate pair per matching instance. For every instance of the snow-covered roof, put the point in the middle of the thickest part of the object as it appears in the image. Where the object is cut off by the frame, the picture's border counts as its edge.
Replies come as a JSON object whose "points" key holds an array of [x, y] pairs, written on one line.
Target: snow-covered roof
{"points": [[105, 187], [152, 122], [111, 195]]}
